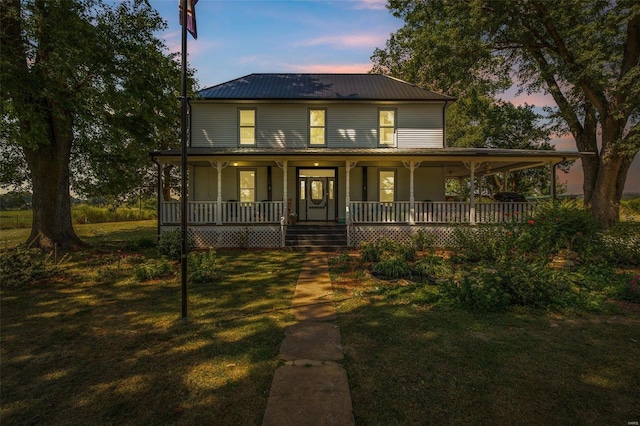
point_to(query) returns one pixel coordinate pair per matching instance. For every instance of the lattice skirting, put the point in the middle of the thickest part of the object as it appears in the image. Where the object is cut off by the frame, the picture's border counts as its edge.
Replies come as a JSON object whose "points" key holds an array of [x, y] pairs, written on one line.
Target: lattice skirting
{"points": [[443, 235], [257, 236]]}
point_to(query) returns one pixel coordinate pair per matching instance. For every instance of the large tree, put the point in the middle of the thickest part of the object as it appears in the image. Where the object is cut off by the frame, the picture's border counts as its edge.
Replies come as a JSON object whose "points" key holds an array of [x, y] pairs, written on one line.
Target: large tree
{"points": [[87, 91], [584, 53]]}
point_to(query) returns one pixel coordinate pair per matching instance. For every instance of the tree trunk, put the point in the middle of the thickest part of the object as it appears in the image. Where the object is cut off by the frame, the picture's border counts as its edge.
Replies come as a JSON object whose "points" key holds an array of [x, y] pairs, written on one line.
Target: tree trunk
{"points": [[611, 175], [166, 182], [49, 166]]}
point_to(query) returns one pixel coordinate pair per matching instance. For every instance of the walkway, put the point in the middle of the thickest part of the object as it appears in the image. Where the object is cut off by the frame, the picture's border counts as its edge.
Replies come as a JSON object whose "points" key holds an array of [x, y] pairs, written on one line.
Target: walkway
{"points": [[311, 388]]}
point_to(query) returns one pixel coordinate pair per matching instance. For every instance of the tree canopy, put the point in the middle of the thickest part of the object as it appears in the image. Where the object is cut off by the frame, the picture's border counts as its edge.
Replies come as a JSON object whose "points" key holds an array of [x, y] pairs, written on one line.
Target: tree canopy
{"points": [[87, 91], [584, 53]]}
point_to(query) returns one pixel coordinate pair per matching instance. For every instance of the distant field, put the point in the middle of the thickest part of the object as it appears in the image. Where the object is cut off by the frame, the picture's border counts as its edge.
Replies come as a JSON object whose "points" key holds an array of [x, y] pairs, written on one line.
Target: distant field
{"points": [[93, 233], [10, 219], [80, 214]]}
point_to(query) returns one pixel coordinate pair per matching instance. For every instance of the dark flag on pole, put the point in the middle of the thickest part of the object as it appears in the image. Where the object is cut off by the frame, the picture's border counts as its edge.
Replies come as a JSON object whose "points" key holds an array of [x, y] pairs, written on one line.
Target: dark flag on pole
{"points": [[191, 17]]}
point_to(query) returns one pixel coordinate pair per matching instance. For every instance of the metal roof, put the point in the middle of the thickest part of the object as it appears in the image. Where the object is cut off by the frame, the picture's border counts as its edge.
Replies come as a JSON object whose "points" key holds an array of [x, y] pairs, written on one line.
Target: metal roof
{"points": [[320, 86]]}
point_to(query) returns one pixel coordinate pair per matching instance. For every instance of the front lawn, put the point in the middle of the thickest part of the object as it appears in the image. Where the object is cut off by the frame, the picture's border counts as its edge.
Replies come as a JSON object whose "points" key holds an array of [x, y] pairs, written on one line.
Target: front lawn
{"points": [[92, 344], [410, 363]]}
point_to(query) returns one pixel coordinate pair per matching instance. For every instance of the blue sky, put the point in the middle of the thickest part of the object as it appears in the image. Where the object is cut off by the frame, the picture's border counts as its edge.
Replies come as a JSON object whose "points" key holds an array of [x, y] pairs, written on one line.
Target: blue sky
{"points": [[240, 37]]}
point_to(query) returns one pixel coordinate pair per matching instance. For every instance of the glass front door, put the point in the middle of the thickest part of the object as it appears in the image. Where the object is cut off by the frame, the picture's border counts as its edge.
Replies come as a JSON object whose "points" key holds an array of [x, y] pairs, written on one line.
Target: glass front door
{"points": [[317, 194]]}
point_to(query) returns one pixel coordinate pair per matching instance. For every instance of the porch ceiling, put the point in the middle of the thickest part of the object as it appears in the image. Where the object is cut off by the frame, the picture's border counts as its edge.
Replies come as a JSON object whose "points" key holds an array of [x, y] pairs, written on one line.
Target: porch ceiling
{"points": [[456, 161]]}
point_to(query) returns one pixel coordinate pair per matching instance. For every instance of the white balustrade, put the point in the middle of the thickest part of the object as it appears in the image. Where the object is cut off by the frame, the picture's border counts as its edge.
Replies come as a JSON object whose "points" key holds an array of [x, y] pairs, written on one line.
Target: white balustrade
{"points": [[204, 212]]}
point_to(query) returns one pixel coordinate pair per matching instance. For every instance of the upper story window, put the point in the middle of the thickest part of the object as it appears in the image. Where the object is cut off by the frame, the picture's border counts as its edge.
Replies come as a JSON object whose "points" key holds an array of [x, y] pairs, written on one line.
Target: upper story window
{"points": [[386, 127], [386, 186], [317, 126], [247, 185], [247, 124]]}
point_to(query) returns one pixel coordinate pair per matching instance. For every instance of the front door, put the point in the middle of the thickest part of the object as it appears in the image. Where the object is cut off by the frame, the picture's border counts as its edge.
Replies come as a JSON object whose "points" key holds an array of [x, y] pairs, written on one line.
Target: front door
{"points": [[317, 201]]}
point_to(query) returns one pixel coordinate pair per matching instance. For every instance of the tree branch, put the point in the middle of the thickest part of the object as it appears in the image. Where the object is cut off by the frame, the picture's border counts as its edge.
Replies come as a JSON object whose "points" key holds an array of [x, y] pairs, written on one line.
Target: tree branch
{"points": [[598, 98]]}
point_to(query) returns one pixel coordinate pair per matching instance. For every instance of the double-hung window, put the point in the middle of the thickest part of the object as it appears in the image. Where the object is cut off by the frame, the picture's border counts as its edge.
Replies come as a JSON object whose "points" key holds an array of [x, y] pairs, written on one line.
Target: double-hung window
{"points": [[247, 126], [317, 126], [247, 186], [386, 186], [386, 127]]}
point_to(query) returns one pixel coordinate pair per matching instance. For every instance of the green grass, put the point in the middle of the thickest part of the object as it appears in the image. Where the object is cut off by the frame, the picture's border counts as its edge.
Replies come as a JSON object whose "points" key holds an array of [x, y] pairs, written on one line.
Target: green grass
{"points": [[93, 345], [10, 219], [109, 233], [409, 362]]}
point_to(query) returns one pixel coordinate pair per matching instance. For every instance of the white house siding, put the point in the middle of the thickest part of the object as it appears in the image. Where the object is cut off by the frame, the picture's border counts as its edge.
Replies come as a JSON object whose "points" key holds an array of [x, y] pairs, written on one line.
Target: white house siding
{"points": [[420, 126], [286, 125], [352, 126], [214, 125], [281, 126]]}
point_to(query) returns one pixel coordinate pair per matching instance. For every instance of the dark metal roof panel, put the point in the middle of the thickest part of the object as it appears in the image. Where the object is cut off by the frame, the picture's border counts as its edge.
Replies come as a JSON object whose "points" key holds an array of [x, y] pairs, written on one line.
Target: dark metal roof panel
{"points": [[319, 86]]}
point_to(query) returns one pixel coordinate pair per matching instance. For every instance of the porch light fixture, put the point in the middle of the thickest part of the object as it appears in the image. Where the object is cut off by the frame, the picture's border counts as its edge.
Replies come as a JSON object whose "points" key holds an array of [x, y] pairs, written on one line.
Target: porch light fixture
{"points": [[316, 164], [235, 164]]}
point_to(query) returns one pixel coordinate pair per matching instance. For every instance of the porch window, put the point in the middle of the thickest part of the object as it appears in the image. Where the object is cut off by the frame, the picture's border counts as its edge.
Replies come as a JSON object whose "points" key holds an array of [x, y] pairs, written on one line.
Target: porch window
{"points": [[247, 186], [317, 126], [386, 186], [386, 127], [247, 122]]}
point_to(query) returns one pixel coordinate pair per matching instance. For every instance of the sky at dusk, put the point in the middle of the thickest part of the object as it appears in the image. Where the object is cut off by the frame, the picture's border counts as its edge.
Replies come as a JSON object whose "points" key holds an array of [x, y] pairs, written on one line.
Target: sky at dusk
{"points": [[240, 37]]}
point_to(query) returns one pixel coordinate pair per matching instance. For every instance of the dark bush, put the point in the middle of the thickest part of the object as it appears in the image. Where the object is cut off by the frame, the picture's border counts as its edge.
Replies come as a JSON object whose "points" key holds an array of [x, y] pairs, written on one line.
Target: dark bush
{"points": [[23, 266]]}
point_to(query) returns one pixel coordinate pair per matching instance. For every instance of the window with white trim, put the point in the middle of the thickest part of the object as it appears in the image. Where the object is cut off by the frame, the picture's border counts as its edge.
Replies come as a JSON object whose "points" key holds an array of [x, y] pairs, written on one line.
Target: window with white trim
{"points": [[247, 186], [386, 127], [247, 126], [386, 186], [317, 126]]}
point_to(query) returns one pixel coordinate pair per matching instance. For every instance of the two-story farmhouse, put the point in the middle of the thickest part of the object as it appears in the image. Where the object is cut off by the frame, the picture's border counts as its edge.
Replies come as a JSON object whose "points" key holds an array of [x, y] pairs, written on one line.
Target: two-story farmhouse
{"points": [[366, 152]]}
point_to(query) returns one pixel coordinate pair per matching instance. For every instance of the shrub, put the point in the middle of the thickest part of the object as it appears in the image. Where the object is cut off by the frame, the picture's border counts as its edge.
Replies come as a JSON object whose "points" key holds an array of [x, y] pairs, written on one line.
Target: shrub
{"points": [[478, 291], [433, 267], [341, 262], [393, 267], [23, 266], [630, 290], [557, 225], [204, 267], [488, 243], [153, 269], [621, 244], [386, 248], [370, 252], [423, 241], [517, 283], [170, 244]]}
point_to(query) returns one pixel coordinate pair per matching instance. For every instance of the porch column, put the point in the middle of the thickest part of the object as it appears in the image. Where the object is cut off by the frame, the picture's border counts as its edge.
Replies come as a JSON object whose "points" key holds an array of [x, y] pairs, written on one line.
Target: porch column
{"points": [[347, 198], [283, 165], [472, 197], [219, 165], [411, 165]]}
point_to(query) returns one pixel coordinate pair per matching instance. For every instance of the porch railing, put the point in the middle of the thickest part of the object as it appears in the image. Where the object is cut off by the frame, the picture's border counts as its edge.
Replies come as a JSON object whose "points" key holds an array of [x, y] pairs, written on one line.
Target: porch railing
{"points": [[205, 212], [438, 212]]}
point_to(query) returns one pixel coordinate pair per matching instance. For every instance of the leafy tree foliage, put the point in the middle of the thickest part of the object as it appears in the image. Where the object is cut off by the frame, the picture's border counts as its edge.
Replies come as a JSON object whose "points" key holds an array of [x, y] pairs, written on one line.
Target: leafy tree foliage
{"points": [[87, 91], [584, 53]]}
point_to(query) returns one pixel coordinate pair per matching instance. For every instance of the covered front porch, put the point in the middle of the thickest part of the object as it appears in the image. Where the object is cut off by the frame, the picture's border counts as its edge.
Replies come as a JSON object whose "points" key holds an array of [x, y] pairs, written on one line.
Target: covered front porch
{"points": [[254, 190]]}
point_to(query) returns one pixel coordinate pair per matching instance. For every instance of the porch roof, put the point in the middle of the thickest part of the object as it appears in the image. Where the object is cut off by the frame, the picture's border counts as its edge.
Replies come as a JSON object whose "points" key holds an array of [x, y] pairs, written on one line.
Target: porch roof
{"points": [[456, 161]]}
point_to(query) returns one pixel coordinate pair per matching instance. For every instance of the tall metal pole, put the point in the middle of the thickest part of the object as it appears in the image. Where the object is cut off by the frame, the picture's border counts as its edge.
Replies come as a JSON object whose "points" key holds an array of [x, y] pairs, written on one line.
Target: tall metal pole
{"points": [[183, 194]]}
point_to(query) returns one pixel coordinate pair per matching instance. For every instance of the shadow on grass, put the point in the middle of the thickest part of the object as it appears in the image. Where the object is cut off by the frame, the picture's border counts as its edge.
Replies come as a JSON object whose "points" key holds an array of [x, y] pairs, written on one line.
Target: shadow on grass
{"points": [[409, 363], [88, 349]]}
